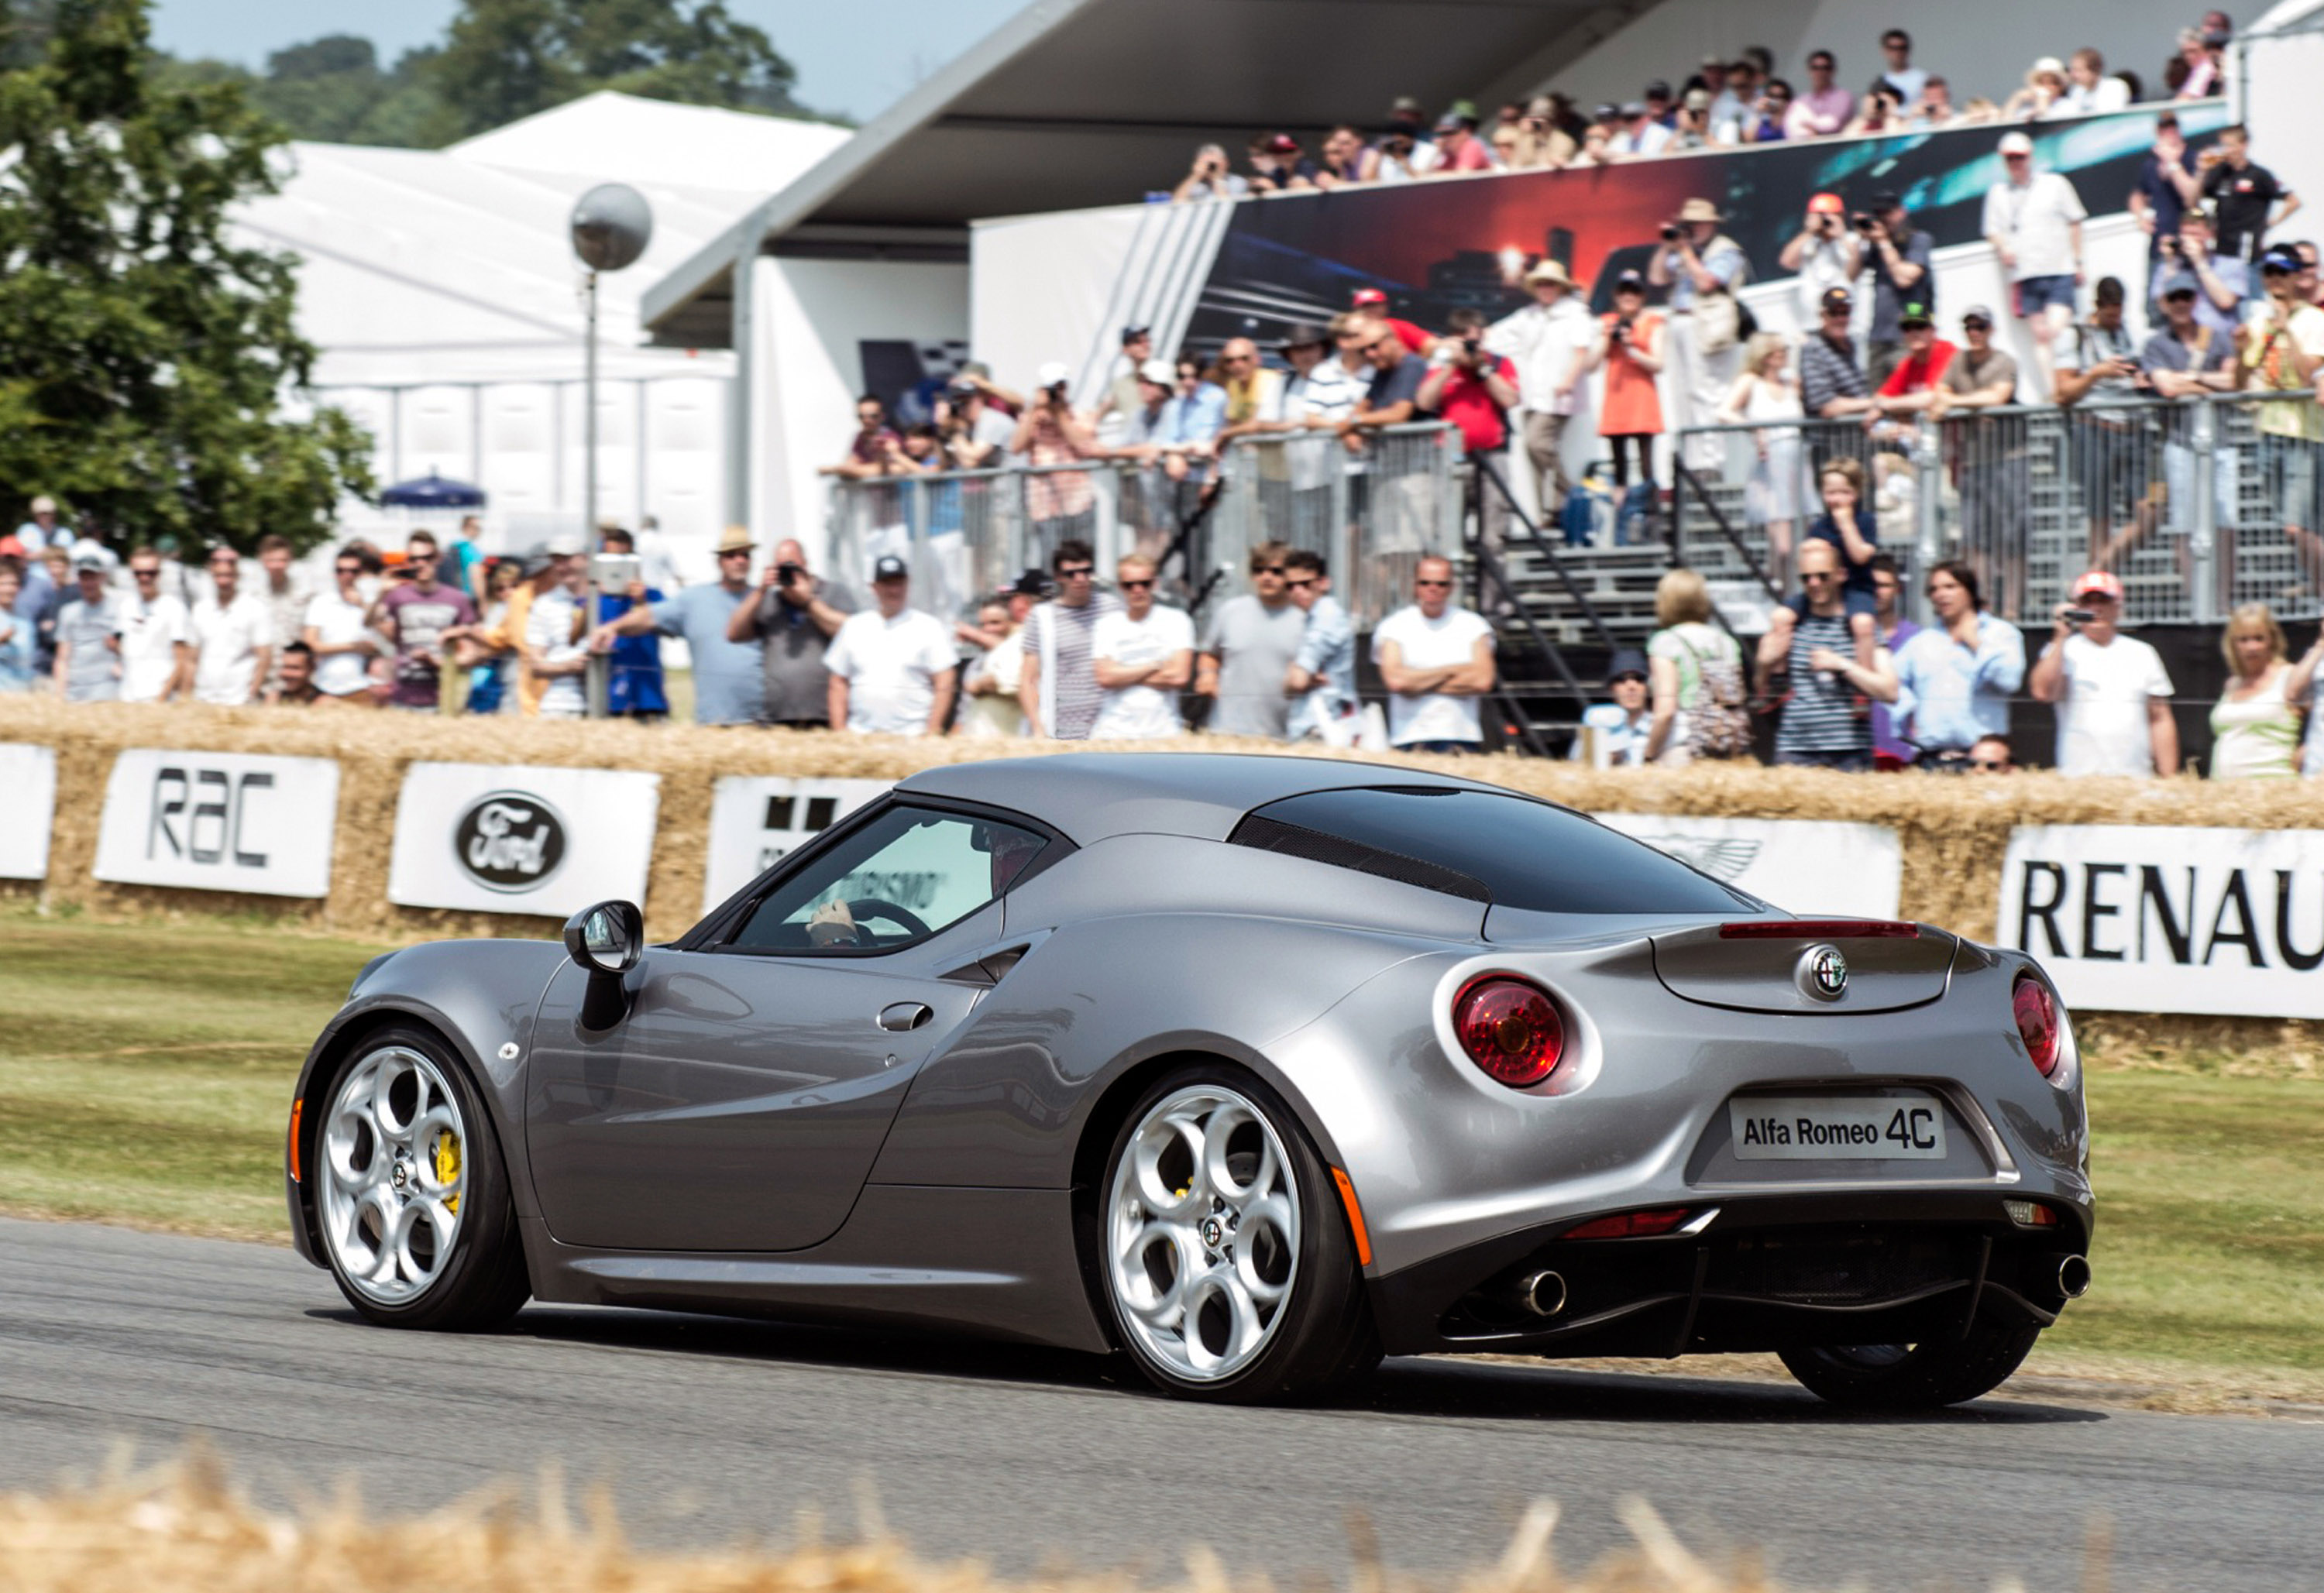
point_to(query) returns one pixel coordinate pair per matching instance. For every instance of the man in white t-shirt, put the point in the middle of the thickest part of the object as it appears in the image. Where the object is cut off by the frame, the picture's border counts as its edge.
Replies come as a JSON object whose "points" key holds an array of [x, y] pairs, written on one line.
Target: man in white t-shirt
{"points": [[2112, 693], [338, 633], [2033, 220], [233, 634], [157, 636], [1436, 659], [1144, 655], [892, 669]]}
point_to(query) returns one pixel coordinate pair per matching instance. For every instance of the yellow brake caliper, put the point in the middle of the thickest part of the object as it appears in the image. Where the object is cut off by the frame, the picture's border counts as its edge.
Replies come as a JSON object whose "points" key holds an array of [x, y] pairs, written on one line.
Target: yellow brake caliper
{"points": [[447, 1167]]}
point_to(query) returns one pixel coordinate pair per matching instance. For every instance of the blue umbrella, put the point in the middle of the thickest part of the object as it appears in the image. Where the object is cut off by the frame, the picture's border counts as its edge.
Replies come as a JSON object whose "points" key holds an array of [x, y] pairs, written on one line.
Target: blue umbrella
{"points": [[433, 493]]}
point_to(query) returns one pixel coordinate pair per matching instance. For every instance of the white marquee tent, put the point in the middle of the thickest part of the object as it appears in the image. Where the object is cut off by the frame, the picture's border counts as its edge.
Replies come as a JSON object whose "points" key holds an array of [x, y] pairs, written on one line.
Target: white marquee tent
{"points": [[442, 291]]}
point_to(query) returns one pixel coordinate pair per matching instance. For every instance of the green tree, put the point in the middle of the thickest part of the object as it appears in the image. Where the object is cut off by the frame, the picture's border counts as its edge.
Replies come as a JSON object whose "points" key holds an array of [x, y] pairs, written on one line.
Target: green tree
{"points": [[507, 59], [145, 358]]}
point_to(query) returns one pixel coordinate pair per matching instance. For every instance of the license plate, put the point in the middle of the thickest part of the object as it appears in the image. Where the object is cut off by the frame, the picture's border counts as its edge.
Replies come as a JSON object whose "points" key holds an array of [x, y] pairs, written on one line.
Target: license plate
{"points": [[1823, 1128]]}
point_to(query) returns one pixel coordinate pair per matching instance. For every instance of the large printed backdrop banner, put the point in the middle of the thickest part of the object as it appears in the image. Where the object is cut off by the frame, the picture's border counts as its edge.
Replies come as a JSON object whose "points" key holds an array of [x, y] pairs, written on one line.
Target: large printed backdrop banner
{"points": [[29, 775], [1806, 866], [219, 821], [500, 838], [756, 819], [2138, 918]]}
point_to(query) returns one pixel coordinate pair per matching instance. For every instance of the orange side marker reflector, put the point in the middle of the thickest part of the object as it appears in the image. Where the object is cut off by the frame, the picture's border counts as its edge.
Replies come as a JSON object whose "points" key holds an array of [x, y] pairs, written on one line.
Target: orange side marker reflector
{"points": [[296, 1108], [1355, 1218]]}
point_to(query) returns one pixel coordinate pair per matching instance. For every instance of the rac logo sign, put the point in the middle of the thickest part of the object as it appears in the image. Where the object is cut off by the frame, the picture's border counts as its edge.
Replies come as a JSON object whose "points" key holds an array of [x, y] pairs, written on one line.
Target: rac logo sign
{"points": [[197, 816]]}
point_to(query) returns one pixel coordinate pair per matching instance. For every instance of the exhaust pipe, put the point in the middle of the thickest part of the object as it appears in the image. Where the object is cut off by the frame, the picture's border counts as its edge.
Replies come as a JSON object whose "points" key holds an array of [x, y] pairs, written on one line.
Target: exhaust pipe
{"points": [[2073, 1276], [1542, 1293]]}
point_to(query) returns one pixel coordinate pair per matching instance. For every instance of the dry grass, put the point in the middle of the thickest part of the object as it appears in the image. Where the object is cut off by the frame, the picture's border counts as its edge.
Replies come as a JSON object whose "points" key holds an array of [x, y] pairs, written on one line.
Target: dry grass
{"points": [[1953, 832], [186, 1528]]}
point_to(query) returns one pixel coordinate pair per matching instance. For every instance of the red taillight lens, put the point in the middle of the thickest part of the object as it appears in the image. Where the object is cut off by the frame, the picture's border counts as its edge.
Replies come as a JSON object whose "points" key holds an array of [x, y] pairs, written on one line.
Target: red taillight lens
{"points": [[2037, 1022], [1630, 1225], [1509, 1028]]}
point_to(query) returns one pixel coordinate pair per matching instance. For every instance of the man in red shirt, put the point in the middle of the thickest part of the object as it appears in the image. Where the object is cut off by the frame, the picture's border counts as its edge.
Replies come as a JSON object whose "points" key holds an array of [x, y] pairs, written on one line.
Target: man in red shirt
{"points": [[1372, 305], [1910, 384], [1475, 389]]}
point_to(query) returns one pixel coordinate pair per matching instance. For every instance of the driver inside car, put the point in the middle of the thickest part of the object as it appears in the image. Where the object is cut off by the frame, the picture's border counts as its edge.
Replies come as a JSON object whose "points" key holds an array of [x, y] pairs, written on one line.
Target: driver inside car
{"points": [[832, 924]]}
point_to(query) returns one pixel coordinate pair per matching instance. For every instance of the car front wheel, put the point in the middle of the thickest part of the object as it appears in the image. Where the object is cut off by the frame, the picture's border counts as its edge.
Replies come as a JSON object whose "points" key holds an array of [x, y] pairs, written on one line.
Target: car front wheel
{"points": [[1229, 1271], [412, 1198], [1913, 1376]]}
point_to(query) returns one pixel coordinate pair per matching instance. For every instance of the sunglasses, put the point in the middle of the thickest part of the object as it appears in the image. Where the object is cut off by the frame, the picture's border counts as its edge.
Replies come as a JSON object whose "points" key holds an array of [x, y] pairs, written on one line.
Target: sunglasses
{"points": [[1299, 586], [734, 553], [347, 569], [139, 575], [1432, 583], [1818, 574], [1078, 572], [1989, 763], [1136, 585]]}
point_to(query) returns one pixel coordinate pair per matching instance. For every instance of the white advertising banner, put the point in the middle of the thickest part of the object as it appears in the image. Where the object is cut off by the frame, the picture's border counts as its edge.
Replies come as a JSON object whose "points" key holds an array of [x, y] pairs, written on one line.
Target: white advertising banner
{"points": [[755, 819], [496, 838], [2149, 918], [29, 775], [1806, 866], [219, 821]]}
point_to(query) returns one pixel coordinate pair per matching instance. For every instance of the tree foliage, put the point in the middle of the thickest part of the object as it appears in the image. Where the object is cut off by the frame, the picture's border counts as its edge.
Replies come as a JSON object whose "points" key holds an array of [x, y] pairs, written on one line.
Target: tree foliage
{"points": [[146, 357]]}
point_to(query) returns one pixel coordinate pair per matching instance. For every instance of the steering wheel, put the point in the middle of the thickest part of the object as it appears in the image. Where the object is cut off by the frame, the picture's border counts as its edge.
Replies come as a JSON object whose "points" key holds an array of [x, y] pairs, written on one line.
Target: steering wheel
{"points": [[871, 907]]}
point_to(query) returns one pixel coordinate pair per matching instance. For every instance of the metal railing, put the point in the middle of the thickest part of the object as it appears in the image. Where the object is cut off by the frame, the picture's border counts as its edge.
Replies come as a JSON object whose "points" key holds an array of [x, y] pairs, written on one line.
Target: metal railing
{"points": [[2198, 505], [1373, 514]]}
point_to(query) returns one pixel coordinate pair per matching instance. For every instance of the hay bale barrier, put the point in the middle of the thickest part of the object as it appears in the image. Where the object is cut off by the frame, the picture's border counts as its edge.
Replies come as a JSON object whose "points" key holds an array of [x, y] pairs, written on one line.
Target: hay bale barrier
{"points": [[1953, 832]]}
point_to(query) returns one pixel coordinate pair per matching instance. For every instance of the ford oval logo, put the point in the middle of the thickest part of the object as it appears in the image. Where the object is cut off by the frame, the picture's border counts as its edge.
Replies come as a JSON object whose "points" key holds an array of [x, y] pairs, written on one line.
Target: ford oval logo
{"points": [[1824, 972], [509, 840]]}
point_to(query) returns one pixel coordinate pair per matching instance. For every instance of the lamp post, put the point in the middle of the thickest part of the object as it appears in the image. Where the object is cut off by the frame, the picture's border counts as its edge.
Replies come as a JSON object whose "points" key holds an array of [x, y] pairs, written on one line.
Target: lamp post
{"points": [[612, 225]]}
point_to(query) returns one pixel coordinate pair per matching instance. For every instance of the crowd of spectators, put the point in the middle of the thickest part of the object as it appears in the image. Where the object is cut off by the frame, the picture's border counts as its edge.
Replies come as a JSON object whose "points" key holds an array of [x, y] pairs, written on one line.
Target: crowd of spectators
{"points": [[1725, 103]]}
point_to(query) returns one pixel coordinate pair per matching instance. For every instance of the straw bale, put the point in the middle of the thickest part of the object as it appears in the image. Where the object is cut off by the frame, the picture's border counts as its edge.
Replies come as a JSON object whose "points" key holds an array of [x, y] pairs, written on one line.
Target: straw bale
{"points": [[1953, 832], [187, 1529]]}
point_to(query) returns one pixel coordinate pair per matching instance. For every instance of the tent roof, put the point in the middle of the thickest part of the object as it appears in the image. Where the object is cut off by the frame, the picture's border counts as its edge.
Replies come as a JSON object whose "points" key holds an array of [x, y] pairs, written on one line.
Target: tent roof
{"points": [[1078, 103], [449, 265]]}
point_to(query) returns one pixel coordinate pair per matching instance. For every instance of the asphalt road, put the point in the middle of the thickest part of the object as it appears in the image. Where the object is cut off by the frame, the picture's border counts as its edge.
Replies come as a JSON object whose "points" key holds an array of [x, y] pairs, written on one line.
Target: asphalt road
{"points": [[709, 1431]]}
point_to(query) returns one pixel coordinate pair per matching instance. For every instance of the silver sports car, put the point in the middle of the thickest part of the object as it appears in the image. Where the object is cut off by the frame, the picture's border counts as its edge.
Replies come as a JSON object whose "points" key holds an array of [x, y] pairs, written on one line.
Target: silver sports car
{"points": [[1251, 1069]]}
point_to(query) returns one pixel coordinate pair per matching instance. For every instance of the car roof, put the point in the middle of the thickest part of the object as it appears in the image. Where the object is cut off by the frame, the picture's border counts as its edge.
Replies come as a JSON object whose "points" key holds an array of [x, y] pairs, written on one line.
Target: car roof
{"points": [[1090, 796]]}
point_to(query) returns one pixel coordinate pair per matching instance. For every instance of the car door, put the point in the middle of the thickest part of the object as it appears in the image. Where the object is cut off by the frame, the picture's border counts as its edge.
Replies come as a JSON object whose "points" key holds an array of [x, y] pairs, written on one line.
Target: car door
{"points": [[740, 1102]]}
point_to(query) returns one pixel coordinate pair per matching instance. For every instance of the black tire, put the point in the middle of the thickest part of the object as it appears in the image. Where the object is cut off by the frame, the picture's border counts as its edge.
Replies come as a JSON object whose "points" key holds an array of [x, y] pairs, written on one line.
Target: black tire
{"points": [[1917, 1377], [1322, 1339], [483, 1283]]}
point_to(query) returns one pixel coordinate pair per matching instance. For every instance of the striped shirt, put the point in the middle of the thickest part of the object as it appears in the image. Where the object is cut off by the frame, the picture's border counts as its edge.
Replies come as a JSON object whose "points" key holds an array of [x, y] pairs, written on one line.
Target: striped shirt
{"points": [[1058, 648], [1820, 717]]}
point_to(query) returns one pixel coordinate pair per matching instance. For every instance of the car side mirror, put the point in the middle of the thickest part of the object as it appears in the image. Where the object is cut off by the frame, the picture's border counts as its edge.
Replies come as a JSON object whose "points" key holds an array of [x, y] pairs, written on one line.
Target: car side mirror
{"points": [[605, 940]]}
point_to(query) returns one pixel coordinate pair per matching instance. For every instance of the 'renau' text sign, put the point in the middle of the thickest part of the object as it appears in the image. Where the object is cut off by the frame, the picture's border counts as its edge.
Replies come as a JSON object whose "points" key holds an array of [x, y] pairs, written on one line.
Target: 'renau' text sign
{"points": [[2139, 918], [219, 821]]}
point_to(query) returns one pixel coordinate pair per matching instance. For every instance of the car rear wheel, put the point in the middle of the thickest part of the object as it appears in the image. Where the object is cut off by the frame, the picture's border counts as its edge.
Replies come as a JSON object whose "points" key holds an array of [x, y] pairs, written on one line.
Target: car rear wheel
{"points": [[411, 1196], [1913, 1376], [1229, 1271]]}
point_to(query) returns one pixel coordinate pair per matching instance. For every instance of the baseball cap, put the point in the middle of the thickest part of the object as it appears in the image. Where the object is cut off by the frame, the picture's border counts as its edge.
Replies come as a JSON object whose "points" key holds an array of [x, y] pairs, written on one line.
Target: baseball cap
{"points": [[2016, 144], [1886, 200], [1283, 143], [2098, 584], [1827, 205], [1976, 312], [1362, 297], [44, 504], [2281, 257], [1404, 105], [1052, 374], [889, 567], [1698, 99], [1033, 583], [89, 561], [1607, 112], [2049, 64], [1301, 333], [1161, 373], [1630, 281], [1627, 660], [1632, 107], [1132, 334], [1915, 314], [563, 544], [1449, 123], [2184, 283], [1836, 299], [1657, 90]]}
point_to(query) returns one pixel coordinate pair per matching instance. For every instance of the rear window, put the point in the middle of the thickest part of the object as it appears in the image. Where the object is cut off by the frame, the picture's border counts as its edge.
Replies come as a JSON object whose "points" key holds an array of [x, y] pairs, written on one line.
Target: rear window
{"points": [[1508, 851]]}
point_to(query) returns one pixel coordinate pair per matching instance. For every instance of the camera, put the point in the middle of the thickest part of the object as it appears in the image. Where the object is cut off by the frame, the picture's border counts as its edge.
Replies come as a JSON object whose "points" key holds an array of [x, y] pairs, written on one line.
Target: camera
{"points": [[786, 572], [1622, 330], [1863, 222], [1673, 231], [2080, 616]]}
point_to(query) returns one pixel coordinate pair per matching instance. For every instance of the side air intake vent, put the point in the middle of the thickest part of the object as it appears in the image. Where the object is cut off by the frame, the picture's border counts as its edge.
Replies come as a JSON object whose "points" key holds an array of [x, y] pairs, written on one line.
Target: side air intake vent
{"points": [[1268, 835]]}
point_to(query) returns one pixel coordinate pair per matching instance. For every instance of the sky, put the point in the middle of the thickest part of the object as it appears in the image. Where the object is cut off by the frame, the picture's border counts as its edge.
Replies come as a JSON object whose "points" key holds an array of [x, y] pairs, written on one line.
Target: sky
{"points": [[843, 66]]}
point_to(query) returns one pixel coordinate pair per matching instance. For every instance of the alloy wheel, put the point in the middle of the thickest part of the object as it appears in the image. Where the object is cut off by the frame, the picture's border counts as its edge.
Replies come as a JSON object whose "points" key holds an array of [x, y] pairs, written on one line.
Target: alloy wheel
{"points": [[393, 1170], [1202, 1233]]}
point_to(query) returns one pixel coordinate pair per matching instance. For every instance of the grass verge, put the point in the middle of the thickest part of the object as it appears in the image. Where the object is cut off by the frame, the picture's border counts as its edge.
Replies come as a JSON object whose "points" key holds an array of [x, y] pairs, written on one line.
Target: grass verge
{"points": [[145, 1070]]}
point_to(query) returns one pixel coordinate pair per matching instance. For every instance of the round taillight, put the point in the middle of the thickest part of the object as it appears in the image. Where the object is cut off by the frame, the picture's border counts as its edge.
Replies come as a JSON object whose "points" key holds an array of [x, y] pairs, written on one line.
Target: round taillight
{"points": [[1511, 1029], [2037, 1021]]}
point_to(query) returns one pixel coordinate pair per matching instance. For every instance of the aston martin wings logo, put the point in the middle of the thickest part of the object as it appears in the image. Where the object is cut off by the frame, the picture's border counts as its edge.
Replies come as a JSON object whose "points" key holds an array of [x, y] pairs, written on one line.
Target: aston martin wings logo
{"points": [[1728, 860]]}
